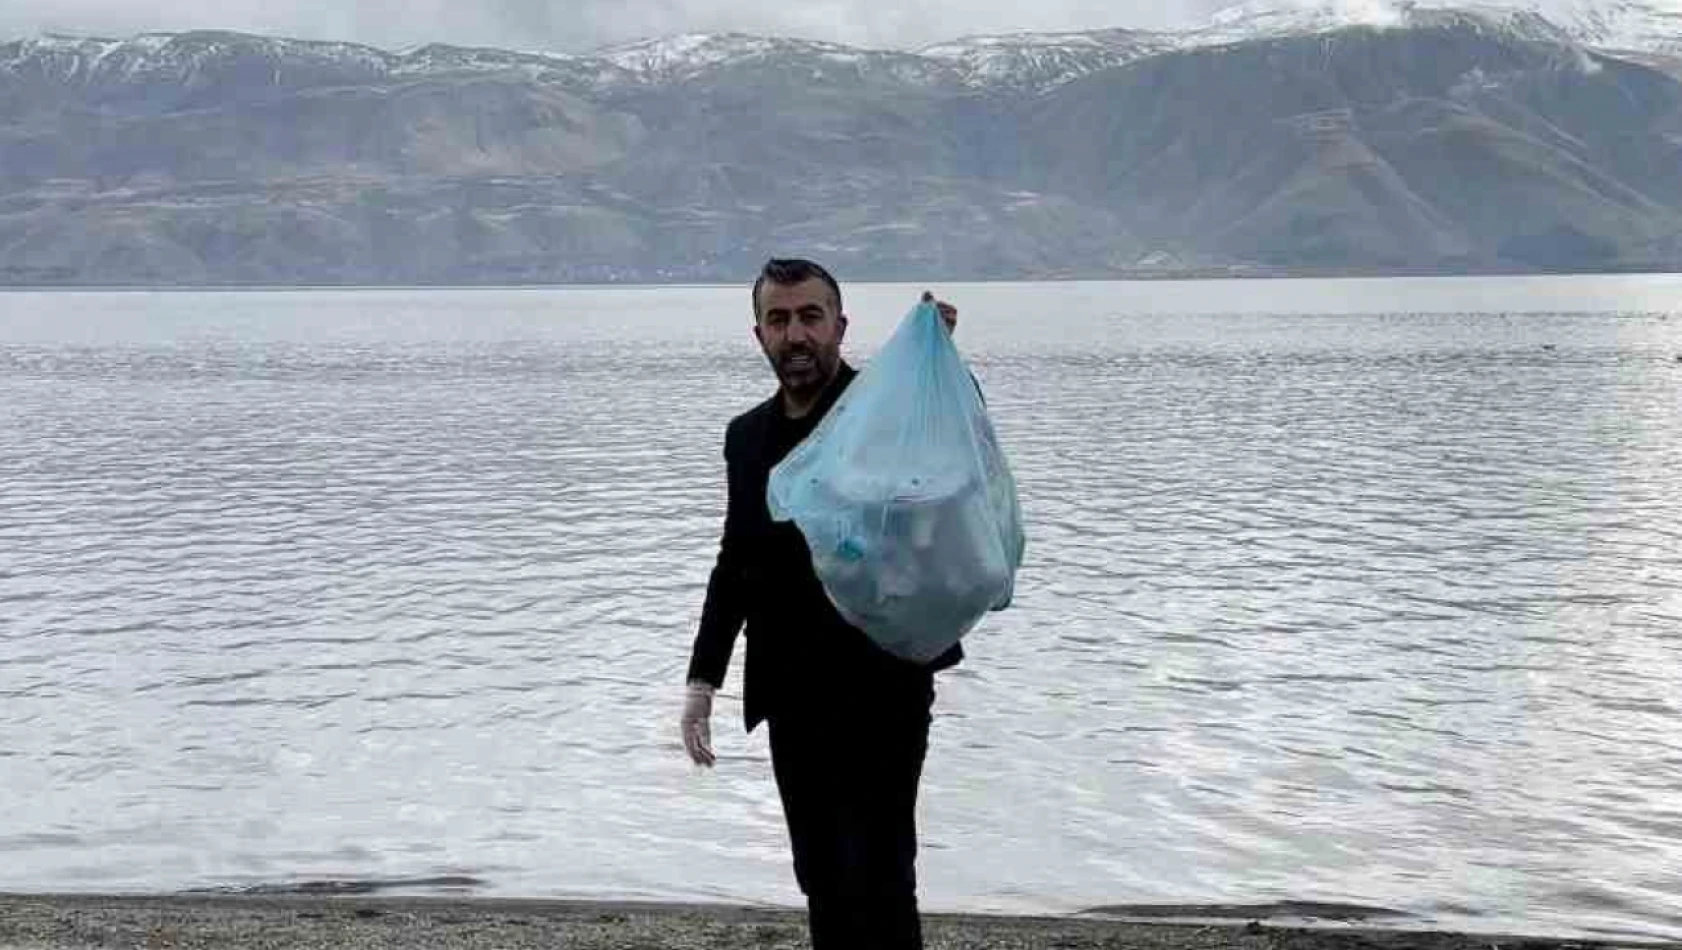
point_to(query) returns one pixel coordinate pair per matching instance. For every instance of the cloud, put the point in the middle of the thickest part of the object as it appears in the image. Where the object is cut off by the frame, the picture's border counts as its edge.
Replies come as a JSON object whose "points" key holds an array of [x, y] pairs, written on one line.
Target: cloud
{"points": [[585, 24]]}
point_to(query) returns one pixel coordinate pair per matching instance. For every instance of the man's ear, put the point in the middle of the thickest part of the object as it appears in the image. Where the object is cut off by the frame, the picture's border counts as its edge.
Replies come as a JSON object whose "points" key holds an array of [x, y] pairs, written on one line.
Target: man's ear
{"points": [[758, 334], [840, 327]]}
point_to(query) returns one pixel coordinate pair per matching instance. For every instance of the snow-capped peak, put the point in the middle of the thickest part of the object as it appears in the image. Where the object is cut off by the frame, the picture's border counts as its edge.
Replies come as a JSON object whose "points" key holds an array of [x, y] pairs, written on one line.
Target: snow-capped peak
{"points": [[173, 57], [178, 56], [68, 43], [1020, 62], [1622, 24], [59, 47], [1043, 60], [671, 57], [685, 56], [1327, 14], [435, 58], [1087, 39], [1642, 25]]}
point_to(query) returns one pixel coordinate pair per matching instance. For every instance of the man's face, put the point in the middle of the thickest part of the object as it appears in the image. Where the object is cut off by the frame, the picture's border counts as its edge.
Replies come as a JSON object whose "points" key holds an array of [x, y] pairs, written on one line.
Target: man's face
{"points": [[800, 329]]}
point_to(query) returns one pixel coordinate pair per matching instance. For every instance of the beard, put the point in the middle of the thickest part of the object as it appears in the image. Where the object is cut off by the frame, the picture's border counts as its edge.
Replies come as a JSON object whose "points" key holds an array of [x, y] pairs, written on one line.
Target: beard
{"points": [[804, 369]]}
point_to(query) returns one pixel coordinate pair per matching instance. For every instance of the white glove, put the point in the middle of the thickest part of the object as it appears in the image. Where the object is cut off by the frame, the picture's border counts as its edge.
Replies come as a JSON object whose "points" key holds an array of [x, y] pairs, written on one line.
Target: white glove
{"points": [[697, 722]]}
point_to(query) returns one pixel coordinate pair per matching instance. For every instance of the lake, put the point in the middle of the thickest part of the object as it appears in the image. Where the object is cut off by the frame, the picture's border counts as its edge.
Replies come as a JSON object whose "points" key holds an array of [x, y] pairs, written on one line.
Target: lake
{"points": [[1356, 591]]}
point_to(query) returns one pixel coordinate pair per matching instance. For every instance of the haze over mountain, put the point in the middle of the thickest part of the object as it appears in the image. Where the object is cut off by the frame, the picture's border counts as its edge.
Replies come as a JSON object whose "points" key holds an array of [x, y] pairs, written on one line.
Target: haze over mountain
{"points": [[1370, 137]]}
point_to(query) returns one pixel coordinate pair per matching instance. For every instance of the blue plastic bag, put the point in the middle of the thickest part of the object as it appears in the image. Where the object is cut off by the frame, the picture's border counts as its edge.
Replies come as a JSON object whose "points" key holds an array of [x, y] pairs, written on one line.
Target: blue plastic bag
{"points": [[905, 497]]}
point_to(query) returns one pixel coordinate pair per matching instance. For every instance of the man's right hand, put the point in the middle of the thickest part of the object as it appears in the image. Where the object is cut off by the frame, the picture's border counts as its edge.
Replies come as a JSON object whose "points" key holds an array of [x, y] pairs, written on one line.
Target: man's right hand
{"points": [[697, 723]]}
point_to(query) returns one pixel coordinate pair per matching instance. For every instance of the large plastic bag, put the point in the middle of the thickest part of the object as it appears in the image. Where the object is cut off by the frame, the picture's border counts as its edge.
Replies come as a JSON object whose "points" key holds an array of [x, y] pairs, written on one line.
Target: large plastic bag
{"points": [[905, 498]]}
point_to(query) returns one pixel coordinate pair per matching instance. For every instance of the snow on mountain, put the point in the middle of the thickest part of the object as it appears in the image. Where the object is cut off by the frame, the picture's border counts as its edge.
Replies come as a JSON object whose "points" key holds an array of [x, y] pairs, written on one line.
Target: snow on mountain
{"points": [[181, 57], [577, 72], [59, 57], [1019, 61], [236, 57], [686, 56], [1639, 25], [1042, 60], [1031, 62], [1023, 60], [441, 57], [1622, 24], [673, 57], [1259, 19], [184, 53]]}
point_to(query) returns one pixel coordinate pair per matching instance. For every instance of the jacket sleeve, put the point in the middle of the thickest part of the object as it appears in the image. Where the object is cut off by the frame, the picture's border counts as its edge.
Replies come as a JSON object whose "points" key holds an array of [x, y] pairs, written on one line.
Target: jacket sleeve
{"points": [[725, 608]]}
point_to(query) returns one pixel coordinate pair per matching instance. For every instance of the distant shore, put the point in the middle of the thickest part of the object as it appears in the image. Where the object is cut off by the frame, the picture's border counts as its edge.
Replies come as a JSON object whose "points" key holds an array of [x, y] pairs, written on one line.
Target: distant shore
{"points": [[361, 922], [1143, 275]]}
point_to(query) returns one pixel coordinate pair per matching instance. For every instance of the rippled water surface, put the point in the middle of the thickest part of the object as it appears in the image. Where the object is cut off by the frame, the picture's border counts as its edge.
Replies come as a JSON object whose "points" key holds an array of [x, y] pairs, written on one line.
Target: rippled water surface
{"points": [[1365, 592]]}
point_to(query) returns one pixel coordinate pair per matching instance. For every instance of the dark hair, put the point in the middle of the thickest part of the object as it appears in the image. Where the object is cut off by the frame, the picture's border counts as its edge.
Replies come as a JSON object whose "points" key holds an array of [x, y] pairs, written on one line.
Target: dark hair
{"points": [[793, 270]]}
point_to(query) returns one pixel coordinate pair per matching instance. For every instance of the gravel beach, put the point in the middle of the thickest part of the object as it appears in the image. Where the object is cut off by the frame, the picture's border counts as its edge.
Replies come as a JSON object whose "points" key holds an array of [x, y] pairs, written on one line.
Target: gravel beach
{"points": [[361, 922]]}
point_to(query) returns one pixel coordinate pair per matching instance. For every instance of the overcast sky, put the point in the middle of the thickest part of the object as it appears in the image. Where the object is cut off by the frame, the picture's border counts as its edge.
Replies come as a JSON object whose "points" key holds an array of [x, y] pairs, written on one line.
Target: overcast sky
{"points": [[571, 25]]}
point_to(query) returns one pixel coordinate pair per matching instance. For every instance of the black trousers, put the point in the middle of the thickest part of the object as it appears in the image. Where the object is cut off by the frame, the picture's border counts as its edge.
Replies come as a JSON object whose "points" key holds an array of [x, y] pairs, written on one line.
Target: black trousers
{"points": [[849, 790]]}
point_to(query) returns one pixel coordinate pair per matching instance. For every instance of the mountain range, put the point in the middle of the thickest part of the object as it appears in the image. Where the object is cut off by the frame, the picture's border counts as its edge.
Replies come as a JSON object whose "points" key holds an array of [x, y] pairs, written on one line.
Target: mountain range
{"points": [[1367, 136]]}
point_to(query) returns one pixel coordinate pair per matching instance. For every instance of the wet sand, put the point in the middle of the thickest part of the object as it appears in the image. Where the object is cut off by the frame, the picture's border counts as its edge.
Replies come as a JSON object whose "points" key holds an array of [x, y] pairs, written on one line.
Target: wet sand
{"points": [[360, 922]]}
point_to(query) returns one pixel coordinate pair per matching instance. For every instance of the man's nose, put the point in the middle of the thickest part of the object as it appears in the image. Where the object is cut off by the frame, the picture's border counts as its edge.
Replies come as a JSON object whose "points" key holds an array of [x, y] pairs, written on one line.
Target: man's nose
{"points": [[796, 332]]}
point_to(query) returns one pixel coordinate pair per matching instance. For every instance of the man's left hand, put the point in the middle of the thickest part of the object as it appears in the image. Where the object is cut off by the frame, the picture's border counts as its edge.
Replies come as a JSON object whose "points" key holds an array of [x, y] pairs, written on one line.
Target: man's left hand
{"points": [[948, 313]]}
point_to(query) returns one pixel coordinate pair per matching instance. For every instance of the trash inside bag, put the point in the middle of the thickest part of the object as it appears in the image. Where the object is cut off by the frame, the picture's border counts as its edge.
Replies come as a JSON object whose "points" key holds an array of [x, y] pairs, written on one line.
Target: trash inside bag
{"points": [[905, 497]]}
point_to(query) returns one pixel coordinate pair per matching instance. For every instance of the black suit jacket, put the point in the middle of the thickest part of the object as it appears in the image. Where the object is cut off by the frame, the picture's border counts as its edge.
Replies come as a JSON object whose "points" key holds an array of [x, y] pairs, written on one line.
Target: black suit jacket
{"points": [[800, 653]]}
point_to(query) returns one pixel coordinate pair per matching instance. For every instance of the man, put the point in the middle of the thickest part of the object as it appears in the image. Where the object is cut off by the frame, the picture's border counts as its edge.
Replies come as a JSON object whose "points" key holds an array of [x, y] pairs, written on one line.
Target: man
{"points": [[849, 722]]}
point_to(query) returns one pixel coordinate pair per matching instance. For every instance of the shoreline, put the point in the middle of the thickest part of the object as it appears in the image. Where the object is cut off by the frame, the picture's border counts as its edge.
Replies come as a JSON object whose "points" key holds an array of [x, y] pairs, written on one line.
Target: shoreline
{"points": [[235, 921]]}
